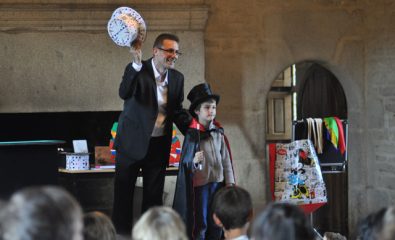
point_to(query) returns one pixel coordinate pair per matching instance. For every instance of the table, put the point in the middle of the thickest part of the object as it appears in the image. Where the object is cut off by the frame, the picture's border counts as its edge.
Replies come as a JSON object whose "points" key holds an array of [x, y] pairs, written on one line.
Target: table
{"points": [[28, 163], [94, 189]]}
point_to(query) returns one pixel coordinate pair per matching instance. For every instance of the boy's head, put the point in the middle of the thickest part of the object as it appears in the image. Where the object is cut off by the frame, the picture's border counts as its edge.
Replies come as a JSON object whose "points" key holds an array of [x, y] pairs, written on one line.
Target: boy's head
{"points": [[200, 95], [232, 207], [98, 226], [206, 111]]}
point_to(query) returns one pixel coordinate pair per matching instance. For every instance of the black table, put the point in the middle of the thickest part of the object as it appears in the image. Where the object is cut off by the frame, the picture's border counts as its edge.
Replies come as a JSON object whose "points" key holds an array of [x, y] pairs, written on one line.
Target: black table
{"points": [[28, 163], [94, 189]]}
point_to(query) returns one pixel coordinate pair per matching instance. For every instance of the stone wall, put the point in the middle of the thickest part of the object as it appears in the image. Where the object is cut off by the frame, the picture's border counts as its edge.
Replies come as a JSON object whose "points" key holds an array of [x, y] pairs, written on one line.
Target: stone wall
{"points": [[239, 51], [59, 57], [249, 42], [379, 97]]}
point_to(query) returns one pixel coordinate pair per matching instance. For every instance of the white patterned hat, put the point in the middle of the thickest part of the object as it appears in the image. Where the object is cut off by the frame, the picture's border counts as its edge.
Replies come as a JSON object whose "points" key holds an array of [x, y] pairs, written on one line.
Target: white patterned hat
{"points": [[125, 26]]}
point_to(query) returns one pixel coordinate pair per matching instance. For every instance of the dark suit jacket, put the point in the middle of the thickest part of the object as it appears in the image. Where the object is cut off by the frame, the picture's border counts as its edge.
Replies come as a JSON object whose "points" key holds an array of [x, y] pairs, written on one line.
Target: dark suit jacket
{"points": [[137, 120]]}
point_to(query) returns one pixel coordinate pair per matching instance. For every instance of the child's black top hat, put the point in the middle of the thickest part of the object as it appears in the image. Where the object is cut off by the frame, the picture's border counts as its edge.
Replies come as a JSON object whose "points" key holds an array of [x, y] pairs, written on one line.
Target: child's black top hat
{"points": [[199, 94]]}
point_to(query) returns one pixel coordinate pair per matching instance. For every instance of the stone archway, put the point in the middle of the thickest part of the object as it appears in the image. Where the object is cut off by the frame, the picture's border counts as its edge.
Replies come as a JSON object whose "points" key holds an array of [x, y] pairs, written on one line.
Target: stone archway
{"points": [[338, 219]]}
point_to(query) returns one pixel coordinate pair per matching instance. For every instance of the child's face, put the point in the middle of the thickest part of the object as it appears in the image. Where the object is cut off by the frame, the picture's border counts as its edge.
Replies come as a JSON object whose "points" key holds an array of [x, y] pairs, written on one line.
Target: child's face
{"points": [[207, 111]]}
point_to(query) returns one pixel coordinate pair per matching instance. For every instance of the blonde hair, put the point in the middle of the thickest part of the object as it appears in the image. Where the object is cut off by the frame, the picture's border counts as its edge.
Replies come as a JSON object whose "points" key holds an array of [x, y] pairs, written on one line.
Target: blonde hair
{"points": [[159, 223]]}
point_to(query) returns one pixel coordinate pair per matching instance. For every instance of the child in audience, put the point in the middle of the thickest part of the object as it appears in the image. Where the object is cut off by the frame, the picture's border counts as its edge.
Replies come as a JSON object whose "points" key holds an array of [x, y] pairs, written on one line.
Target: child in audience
{"points": [[98, 226], [205, 165], [45, 213], [333, 236], [379, 225], [232, 211], [282, 221], [159, 223], [3, 216]]}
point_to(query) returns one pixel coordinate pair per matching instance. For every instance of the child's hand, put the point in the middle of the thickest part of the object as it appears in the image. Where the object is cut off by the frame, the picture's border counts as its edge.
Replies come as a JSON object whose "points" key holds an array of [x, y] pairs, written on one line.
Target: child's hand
{"points": [[199, 157]]}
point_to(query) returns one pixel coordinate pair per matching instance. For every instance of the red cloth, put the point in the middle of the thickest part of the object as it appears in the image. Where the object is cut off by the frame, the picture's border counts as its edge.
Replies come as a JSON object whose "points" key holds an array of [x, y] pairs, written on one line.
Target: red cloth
{"points": [[272, 164], [312, 207], [341, 141], [196, 125]]}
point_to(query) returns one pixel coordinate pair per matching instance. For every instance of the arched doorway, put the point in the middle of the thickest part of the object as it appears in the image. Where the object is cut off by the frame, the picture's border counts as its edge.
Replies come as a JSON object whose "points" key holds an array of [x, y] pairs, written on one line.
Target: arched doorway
{"points": [[308, 90]]}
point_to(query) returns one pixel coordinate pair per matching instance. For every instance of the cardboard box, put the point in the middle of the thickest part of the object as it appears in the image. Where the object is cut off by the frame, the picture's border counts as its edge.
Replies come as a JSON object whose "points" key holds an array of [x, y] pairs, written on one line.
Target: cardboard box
{"points": [[103, 156]]}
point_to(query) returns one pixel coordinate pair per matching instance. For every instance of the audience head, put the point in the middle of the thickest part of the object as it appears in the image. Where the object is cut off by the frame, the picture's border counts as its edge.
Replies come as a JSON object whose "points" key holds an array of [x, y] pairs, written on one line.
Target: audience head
{"points": [[98, 226], [333, 236], [159, 223], [45, 213], [388, 230], [379, 225], [232, 207], [282, 221], [3, 217]]}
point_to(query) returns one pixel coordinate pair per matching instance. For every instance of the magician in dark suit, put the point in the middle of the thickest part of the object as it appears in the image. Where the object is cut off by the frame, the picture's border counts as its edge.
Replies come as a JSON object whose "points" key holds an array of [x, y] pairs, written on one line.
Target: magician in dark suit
{"points": [[153, 92]]}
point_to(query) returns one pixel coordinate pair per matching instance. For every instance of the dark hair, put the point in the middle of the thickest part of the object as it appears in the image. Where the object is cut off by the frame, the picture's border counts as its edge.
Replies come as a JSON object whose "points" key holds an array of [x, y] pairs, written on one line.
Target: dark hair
{"points": [[233, 206], [378, 225], [165, 36], [370, 224], [98, 226], [282, 221]]}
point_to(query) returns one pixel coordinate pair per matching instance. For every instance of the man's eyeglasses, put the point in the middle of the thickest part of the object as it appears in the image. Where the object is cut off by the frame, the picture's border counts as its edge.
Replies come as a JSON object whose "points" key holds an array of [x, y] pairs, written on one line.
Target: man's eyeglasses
{"points": [[171, 51]]}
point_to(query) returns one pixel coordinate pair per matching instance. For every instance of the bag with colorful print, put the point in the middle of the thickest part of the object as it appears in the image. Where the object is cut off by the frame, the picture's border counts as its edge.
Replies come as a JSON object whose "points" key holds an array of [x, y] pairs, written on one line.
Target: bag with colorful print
{"points": [[298, 177]]}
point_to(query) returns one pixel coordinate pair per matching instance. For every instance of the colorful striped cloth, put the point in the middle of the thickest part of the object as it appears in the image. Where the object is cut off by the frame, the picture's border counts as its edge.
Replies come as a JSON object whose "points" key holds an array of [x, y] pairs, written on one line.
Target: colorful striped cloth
{"points": [[335, 133]]}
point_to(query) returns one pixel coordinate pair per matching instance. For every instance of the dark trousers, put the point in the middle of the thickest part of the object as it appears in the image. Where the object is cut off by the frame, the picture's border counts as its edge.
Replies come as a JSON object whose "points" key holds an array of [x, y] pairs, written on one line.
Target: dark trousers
{"points": [[205, 227], [153, 167]]}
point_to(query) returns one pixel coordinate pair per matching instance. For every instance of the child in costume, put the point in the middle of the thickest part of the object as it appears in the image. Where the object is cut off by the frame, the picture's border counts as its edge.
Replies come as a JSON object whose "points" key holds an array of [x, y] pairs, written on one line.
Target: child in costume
{"points": [[205, 166]]}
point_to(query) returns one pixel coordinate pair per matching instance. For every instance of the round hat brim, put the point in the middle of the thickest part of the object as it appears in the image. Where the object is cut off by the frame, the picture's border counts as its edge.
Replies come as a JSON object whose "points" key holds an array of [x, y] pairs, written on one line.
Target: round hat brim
{"points": [[142, 29]]}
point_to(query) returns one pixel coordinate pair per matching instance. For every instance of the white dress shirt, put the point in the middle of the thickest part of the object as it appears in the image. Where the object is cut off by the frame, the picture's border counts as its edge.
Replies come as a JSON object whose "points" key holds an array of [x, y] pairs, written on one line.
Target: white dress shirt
{"points": [[161, 90]]}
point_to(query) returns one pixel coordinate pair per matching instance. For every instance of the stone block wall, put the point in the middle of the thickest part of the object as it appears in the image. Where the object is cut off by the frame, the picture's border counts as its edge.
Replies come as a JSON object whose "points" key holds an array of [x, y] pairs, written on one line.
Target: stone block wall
{"points": [[249, 42], [59, 57]]}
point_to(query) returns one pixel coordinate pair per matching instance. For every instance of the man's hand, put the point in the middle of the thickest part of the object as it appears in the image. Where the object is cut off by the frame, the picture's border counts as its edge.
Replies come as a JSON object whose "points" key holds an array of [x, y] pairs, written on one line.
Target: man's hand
{"points": [[136, 52]]}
